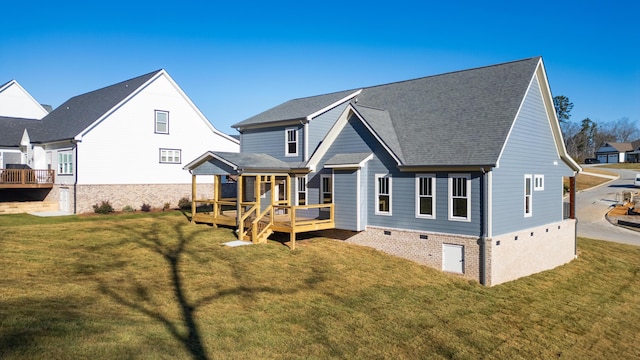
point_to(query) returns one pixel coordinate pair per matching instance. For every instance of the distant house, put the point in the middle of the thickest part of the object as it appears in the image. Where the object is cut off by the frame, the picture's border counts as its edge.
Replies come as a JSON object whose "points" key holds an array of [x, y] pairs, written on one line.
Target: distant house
{"points": [[124, 143], [614, 152], [441, 170]]}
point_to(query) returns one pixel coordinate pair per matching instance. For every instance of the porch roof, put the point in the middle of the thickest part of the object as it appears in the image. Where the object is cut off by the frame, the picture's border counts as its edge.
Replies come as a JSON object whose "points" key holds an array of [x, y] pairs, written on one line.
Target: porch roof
{"points": [[213, 162], [355, 160]]}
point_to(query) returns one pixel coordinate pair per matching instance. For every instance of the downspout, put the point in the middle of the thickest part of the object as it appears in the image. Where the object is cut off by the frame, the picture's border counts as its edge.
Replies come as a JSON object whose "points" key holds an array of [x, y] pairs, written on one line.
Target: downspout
{"points": [[484, 211], [75, 180]]}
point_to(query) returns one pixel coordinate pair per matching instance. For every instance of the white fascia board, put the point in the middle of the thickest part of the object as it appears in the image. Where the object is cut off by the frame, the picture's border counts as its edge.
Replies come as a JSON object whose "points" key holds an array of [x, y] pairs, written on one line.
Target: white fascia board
{"points": [[205, 157], [384, 145], [117, 106], [351, 166], [552, 117], [329, 107], [195, 108], [329, 138]]}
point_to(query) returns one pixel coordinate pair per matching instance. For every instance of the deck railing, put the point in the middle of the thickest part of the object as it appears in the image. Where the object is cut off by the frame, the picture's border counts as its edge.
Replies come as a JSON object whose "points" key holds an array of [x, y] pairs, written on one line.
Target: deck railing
{"points": [[25, 178]]}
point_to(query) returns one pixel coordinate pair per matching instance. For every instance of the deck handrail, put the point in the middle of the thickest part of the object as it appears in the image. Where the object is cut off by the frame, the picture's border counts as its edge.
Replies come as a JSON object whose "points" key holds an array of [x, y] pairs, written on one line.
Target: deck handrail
{"points": [[244, 217], [27, 176], [295, 222], [257, 233]]}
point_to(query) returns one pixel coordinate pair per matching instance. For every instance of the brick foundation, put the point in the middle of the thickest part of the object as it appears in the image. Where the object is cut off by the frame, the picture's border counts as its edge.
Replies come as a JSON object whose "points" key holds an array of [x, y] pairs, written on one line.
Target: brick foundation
{"points": [[133, 195]]}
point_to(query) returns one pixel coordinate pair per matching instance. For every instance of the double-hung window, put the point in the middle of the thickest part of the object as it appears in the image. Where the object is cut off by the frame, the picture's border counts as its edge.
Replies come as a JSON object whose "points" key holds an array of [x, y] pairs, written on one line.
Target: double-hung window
{"points": [[301, 190], [161, 122], [170, 156], [426, 196], [383, 194], [65, 162], [528, 211], [460, 197], [291, 142]]}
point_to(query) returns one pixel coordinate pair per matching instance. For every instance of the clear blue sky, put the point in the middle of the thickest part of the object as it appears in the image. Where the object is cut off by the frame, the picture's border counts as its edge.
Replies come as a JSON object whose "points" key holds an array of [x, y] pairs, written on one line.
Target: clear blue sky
{"points": [[235, 59]]}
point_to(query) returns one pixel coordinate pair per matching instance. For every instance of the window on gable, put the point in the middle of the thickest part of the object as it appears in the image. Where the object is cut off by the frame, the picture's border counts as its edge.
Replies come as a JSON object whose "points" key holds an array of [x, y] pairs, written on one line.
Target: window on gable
{"points": [[291, 142], [527, 196], [170, 156], [326, 189], [425, 196], [301, 190], [65, 162], [162, 122], [538, 182], [383, 194], [460, 197]]}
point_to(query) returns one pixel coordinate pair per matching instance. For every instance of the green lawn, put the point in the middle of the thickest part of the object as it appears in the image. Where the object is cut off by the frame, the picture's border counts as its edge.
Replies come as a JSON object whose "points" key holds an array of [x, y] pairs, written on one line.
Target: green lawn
{"points": [[156, 287]]}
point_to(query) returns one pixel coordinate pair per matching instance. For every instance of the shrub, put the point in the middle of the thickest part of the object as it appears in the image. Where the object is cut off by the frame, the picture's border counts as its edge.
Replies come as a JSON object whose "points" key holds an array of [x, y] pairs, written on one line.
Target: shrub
{"points": [[184, 203], [145, 207], [128, 209], [166, 206], [104, 208]]}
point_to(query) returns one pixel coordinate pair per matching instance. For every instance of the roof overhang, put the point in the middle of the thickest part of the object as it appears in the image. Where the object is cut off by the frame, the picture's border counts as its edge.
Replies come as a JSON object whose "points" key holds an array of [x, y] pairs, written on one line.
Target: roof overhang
{"points": [[447, 168]]}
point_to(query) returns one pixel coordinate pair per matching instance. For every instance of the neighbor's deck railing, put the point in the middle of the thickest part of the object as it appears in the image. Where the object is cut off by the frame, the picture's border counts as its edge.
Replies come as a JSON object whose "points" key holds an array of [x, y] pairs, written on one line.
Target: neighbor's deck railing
{"points": [[26, 178]]}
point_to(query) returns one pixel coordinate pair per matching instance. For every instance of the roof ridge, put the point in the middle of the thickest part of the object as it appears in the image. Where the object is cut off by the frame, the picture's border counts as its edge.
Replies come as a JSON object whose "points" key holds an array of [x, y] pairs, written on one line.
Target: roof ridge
{"points": [[116, 84], [453, 72]]}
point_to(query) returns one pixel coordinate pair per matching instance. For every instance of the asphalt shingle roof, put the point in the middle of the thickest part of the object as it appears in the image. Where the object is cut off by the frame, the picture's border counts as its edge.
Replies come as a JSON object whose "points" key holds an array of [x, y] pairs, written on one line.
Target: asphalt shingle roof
{"points": [[457, 118], [12, 130], [77, 113], [295, 109], [253, 161]]}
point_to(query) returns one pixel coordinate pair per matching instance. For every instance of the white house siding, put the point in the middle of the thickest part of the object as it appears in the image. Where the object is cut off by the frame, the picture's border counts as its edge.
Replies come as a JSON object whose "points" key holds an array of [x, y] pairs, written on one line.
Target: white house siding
{"points": [[529, 251], [124, 149], [16, 102], [530, 149]]}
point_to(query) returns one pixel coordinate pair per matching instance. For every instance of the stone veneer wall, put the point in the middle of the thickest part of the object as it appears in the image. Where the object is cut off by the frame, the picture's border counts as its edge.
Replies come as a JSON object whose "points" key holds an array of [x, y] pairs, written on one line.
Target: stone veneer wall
{"points": [[408, 244], [133, 194], [534, 250]]}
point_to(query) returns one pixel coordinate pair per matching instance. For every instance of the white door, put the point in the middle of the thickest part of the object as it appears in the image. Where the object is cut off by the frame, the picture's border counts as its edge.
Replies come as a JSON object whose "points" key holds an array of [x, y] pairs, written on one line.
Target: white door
{"points": [[453, 258], [63, 202]]}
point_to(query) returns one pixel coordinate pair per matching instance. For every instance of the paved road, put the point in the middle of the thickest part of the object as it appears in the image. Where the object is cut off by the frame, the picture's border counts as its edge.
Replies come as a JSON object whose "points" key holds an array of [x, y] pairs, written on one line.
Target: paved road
{"points": [[592, 205]]}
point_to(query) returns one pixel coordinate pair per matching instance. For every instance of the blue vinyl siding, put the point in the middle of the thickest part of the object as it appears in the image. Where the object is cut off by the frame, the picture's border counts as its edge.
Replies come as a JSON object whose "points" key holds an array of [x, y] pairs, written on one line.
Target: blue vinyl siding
{"points": [[271, 141], [530, 149], [213, 167], [356, 138], [321, 124]]}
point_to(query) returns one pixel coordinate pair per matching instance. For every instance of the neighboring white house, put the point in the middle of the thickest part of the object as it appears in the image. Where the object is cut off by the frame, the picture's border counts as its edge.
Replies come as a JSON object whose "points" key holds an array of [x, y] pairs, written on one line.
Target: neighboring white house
{"points": [[613, 152], [124, 143], [16, 102]]}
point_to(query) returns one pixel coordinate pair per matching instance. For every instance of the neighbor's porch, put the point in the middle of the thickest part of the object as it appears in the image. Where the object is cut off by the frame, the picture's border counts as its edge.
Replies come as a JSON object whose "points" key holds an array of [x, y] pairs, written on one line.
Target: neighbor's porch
{"points": [[26, 178]]}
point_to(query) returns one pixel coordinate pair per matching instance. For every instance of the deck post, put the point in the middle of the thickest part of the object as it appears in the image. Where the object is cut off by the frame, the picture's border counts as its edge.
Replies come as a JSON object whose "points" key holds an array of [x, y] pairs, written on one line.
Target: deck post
{"points": [[216, 198], [289, 195], [239, 200], [292, 239], [193, 198]]}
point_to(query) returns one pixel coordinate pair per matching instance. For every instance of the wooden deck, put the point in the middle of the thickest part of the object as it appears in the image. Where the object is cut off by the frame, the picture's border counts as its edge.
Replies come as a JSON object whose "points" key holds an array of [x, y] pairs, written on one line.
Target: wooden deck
{"points": [[26, 179], [278, 218]]}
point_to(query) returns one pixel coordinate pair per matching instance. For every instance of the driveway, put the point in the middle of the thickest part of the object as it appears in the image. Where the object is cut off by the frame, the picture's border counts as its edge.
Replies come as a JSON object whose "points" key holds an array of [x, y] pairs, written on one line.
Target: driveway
{"points": [[593, 204]]}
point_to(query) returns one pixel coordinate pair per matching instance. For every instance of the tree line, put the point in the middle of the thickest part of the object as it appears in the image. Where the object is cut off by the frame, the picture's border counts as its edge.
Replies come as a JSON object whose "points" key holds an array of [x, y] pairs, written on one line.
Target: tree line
{"points": [[583, 138]]}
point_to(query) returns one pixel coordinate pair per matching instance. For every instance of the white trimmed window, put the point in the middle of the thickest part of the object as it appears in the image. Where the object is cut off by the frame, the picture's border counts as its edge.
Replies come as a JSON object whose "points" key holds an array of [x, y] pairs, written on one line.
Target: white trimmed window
{"points": [[291, 142], [538, 182], [170, 156], [528, 203], [326, 188], [460, 197], [301, 190], [426, 196], [65, 162], [383, 194], [161, 122]]}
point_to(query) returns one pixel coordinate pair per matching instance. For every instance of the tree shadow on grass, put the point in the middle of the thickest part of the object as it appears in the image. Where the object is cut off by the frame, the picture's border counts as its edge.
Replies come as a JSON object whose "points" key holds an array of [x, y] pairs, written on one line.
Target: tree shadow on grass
{"points": [[138, 297]]}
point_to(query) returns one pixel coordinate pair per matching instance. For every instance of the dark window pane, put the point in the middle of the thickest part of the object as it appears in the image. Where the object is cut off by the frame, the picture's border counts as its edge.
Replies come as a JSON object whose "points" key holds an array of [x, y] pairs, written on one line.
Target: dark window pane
{"points": [[460, 208], [426, 206]]}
